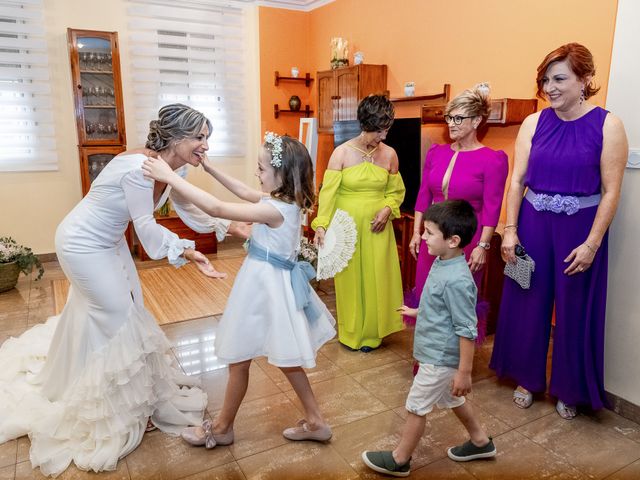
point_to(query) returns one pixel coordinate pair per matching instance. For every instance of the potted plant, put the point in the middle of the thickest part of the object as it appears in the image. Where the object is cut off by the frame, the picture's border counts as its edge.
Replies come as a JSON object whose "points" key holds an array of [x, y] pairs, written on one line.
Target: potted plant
{"points": [[14, 259]]}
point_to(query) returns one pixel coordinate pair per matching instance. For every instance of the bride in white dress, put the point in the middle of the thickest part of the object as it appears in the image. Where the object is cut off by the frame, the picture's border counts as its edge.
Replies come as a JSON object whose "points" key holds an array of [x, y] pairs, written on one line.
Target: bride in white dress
{"points": [[84, 385]]}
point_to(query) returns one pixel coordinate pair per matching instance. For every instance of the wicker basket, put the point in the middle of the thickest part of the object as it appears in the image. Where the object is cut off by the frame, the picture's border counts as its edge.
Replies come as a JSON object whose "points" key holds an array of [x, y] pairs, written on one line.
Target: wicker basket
{"points": [[8, 275]]}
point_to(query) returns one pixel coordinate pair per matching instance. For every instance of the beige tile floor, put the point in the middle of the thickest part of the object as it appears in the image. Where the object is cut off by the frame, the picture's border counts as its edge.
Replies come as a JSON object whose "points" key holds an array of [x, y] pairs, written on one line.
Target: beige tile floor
{"points": [[362, 396]]}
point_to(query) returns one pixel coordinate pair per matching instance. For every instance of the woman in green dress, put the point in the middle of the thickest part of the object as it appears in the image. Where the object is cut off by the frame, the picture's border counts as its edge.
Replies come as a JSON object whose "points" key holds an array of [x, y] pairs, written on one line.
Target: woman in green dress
{"points": [[362, 179]]}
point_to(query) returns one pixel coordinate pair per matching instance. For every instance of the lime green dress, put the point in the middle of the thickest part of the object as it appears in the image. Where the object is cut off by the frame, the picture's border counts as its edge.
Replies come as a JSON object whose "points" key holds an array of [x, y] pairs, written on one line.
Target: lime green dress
{"points": [[369, 290]]}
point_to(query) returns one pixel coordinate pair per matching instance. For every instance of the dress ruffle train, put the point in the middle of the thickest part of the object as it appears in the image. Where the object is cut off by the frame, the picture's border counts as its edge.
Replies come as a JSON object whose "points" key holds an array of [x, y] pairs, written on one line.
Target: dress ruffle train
{"points": [[102, 415]]}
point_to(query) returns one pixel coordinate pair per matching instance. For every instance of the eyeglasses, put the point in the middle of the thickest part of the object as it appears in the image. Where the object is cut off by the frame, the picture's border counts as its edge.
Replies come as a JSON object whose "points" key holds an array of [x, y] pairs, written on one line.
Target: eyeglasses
{"points": [[457, 120]]}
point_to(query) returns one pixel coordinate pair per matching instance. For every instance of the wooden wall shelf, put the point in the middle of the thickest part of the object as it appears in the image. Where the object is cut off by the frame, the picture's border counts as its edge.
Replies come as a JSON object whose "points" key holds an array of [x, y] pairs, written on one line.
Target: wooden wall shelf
{"points": [[304, 112], [444, 96], [504, 111], [306, 79]]}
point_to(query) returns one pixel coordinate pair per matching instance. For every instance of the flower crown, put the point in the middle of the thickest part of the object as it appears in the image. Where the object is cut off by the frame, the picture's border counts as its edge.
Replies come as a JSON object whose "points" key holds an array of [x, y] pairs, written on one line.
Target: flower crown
{"points": [[275, 141]]}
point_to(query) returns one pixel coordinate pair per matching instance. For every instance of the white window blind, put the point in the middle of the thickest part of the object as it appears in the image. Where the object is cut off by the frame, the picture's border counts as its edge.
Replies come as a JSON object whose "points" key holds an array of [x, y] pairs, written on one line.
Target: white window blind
{"points": [[27, 138], [191, 52]]}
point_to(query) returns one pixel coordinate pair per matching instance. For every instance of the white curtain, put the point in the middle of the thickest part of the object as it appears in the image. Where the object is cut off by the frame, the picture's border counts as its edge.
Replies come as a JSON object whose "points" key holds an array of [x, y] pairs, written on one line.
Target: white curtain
{"points": [[27, 136], [191, 52]]}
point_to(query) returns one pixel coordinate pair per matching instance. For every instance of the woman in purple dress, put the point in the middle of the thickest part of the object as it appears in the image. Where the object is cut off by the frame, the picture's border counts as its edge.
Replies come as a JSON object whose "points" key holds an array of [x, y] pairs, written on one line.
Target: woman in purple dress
{"points": [[465, 170], [571, 157]]}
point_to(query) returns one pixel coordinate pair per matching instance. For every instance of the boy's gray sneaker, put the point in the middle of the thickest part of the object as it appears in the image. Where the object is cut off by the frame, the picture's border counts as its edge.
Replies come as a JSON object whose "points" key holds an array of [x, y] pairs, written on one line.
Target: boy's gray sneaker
{"points": [[468, 451], [383, 462]]}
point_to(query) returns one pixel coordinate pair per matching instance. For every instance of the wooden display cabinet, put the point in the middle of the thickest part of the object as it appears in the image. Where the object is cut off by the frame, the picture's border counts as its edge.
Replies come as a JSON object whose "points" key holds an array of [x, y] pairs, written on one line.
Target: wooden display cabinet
{"points": [[97, 92], [340, 90]]}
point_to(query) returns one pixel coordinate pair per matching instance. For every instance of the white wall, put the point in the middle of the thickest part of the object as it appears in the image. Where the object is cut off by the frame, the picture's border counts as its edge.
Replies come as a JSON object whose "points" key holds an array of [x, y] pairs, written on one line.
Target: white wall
{"points": [[622, 344], [34, 203]]}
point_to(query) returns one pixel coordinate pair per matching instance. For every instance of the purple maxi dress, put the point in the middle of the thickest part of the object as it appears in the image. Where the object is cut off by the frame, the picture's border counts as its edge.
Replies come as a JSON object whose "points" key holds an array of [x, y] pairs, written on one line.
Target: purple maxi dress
{"points": [[478, 177], [565, 160]]}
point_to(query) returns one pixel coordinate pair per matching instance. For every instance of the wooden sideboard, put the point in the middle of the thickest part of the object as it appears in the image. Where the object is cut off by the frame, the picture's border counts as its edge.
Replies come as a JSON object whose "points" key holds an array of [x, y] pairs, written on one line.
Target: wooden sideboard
{"points": [[205, 242], [403, 229], [504, 111]]}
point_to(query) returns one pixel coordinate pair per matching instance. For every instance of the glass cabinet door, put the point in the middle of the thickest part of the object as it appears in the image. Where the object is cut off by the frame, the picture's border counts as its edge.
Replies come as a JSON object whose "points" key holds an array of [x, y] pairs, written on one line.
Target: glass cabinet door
{"points": [[98, 92], [93, 160]]}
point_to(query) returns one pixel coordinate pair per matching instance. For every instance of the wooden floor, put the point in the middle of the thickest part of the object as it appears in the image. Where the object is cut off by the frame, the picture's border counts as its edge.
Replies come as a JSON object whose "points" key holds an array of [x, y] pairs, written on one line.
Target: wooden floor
{"points": [[175, 295]]}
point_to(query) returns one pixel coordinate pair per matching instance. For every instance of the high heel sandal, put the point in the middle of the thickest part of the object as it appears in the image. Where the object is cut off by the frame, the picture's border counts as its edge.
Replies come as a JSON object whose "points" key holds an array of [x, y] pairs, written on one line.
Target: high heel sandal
{"points": [[150, 426], [522, 399], [567, 412]]}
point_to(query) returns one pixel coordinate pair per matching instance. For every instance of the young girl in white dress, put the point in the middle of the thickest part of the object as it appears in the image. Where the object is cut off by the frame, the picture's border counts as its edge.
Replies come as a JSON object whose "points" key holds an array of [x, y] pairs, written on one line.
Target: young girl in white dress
{"points": [[272, 311]]}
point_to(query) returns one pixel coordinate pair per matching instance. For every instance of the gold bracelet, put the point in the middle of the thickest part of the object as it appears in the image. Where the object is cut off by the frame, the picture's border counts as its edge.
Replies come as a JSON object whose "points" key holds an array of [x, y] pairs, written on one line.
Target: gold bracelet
{"points": [[513, 225], [590, 247]]}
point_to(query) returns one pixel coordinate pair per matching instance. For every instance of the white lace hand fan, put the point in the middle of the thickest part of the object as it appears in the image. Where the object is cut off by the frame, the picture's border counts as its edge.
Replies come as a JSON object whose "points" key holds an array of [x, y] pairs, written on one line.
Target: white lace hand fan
{"points": [[339, 245]]}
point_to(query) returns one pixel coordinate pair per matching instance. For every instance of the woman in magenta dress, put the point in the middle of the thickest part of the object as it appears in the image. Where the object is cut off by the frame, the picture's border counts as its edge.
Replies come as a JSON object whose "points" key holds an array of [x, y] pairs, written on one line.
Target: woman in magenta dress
{"points": [[466, 170], [571, 157]]}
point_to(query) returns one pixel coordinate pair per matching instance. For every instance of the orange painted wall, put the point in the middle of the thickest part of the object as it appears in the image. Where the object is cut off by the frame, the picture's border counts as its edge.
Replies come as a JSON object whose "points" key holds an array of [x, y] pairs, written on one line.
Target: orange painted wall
{"points": [[284, 43], [432, 42]]}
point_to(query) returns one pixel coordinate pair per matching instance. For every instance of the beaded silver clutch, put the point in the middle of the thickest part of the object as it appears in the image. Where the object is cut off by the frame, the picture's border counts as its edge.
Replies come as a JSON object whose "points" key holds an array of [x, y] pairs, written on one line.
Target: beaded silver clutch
{"points": [[521, 271]]}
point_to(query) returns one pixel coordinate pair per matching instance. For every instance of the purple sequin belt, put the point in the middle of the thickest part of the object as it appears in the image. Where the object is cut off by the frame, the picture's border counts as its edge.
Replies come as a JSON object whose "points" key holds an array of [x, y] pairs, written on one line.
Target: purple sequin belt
{"points": [[557, 203]]}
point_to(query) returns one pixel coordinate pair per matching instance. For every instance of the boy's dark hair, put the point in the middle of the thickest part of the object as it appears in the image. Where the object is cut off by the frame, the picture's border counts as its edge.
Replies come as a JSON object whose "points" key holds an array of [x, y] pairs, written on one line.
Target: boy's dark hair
{"points": [[454, 217], [296, 173]]}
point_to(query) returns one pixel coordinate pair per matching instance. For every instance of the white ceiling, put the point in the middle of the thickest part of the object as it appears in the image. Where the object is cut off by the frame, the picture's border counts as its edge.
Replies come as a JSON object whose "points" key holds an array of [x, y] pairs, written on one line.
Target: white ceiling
{"points": [[305, 5]]}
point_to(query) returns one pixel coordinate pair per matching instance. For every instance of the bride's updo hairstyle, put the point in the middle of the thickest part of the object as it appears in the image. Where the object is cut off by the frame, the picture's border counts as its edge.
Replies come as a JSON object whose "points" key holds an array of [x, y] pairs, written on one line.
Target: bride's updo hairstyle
{"points": [[175, 122], [473, 102]]}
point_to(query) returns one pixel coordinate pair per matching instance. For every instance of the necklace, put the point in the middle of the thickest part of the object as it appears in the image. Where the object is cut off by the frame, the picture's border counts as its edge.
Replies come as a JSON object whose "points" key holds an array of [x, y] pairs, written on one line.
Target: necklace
{"points": [[365, 155]]}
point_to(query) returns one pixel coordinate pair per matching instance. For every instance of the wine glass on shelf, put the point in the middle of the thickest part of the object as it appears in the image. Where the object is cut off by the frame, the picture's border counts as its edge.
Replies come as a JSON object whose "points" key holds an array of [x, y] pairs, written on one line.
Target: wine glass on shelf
{"points": [[91, 61], [100, 95], [90, 128], [94, 94], [93, 170]]}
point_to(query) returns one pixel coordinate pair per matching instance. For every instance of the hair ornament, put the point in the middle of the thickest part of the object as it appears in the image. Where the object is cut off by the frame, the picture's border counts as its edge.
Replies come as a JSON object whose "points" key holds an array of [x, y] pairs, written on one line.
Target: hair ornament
{"points": [[275, 141], [483, 89]]}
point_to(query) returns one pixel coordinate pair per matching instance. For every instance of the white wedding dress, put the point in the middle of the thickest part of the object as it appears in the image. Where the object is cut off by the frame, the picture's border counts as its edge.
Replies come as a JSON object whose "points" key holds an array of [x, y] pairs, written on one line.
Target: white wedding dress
{"points": [[83, 384]]}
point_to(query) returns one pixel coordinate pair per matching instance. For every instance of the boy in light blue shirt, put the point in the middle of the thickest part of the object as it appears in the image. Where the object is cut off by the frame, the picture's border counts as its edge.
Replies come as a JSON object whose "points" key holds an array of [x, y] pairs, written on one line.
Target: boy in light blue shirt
{"points": [[443, 343]]}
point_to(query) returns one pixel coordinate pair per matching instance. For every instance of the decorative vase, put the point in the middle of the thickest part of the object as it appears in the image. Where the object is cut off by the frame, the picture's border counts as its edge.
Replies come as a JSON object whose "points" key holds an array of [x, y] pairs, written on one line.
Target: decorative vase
{"points": [[358, 58], [295, 72], [294, 103], [409, 89], [339, 62], [8, 275]]}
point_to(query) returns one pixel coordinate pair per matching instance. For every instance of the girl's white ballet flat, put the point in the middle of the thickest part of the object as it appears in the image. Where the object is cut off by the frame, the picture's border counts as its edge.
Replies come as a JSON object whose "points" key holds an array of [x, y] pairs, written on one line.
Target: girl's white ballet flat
{"points": [[302, 431]]}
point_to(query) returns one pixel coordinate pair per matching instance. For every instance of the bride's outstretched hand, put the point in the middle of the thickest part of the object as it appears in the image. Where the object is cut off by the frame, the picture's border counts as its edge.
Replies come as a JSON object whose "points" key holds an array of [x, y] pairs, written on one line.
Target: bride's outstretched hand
{"points": [[157, 169], [203, 264]]}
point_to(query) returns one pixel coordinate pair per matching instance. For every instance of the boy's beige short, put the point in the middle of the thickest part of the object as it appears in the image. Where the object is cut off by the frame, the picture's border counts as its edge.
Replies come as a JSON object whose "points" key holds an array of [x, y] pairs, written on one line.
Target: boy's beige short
{"points": [[432, 386]]}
